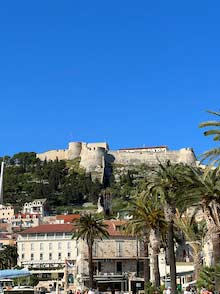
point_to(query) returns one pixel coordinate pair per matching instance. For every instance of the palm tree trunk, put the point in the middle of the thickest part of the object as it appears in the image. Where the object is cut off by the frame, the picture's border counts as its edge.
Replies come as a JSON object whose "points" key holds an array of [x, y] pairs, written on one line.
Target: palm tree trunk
{"points": [[90, 261], [169, 213], [155, 245], [146, 261], [197, 260], [156, 270], [216, 256], [213, 231], [172, 257]]}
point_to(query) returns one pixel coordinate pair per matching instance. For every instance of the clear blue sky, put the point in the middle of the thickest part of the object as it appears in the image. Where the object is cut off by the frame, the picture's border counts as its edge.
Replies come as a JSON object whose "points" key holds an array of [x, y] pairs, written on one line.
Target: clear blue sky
{"points": [[131, 73]]}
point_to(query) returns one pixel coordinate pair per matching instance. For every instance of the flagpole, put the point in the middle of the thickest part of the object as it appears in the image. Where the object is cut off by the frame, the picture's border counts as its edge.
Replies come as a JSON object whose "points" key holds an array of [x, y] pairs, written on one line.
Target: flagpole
{"points": [[1, 182]]}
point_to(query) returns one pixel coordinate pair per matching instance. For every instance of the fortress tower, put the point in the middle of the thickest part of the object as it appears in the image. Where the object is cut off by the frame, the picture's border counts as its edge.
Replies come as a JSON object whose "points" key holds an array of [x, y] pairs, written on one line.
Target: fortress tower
{"points": [[94, 157]]}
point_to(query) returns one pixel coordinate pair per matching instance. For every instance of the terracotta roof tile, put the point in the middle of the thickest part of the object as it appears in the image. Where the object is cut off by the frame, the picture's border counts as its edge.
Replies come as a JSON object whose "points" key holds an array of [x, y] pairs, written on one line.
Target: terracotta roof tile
{"points": [[114, 228], [49, 228], [68, 218]]}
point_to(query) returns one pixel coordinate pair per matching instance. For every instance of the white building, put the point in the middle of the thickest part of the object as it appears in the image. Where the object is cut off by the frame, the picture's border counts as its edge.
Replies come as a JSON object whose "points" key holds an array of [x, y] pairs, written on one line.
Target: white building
{"points": [[6, 212], [23, 221], [35, 207]]}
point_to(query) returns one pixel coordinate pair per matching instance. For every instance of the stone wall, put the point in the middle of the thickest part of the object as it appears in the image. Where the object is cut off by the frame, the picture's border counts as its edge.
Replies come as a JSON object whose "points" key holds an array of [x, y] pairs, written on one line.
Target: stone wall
{"points": [[53, 155], [184, 155], [96, 157]]}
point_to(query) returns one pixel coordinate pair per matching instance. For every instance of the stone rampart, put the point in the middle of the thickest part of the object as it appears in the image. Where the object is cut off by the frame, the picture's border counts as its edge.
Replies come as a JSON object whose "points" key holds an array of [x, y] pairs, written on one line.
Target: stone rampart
{"points": [[53, 155], [74, 150], [185, 155], [94, 157]]}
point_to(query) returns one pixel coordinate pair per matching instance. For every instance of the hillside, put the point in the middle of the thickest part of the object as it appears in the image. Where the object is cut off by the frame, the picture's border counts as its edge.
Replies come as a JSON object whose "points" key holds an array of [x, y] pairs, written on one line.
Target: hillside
{"points": [[65, 184], [61, 182]]}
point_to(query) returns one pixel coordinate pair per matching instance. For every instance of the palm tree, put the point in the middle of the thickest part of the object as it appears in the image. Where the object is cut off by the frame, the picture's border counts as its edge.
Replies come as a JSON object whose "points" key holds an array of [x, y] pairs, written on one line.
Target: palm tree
{"points": [[90, 227], [169, 183], [194, 233], [207, 191], [139, 228], [212, 155], [148, 218], [207, 277]]}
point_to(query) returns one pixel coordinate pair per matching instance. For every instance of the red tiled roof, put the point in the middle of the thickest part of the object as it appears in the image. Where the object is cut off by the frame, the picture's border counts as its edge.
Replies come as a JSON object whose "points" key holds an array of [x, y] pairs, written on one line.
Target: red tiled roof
{"points": [[49, 228], [68, 218], [141, 148], [113, 228]]}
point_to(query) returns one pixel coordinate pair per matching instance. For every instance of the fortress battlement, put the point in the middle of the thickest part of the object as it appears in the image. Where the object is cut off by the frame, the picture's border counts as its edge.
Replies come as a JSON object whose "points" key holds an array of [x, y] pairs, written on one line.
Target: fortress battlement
{"points": [[95, 156]]}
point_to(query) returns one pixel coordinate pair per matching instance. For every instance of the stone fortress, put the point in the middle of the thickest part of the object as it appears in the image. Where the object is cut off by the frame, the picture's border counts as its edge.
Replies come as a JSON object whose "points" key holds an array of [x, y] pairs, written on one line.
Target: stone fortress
{"points": [[96, 157]]}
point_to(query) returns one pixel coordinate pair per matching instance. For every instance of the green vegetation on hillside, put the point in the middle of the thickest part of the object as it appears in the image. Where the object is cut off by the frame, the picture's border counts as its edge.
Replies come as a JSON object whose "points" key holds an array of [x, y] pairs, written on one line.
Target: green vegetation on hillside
{"points": [[62, 183]]}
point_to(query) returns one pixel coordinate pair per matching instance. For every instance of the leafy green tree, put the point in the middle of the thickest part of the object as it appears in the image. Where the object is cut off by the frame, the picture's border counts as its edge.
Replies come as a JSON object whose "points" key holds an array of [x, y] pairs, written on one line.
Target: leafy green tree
{"points": [[12, 255], [212, 155], [207, 277], [88, 228]]}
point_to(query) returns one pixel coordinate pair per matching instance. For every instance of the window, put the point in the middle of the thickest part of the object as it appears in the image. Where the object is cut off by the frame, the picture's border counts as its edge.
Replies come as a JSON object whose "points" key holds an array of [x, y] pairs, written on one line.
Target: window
{"points": [[41, 256], [32, 256], [69, 235], [119, 248], [41, 246], [32, 246], [68, 255], [22, 256], [59, 245], [51, 235], [50, 246], [94, 249], [59, 235], [68, 245], [99, 266], [119, 267], [22, 246], [118, 228], [50, 256], [59, 255], [40, 236]]}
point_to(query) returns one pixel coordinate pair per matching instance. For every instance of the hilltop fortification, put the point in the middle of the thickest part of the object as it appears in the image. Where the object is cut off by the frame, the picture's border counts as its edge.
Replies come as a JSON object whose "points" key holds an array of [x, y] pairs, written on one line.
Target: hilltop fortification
{"points": [[95, 157]]}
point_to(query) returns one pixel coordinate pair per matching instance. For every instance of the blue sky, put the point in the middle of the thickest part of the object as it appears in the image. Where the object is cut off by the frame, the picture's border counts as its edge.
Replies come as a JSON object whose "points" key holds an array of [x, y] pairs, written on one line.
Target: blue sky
{"points": [[131, 73]]}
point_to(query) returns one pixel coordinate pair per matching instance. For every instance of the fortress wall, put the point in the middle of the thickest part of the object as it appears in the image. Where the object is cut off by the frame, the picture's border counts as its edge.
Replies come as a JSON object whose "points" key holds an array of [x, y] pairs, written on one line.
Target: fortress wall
{"points": [[100, 144], [149, 158], [92, 157], [74, 150], [187, 155], [53, 155]]}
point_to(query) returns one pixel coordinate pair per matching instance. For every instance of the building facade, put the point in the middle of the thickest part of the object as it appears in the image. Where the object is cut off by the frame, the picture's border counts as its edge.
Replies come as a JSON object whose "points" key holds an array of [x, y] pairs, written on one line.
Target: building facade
{"points": [[50, 251]]}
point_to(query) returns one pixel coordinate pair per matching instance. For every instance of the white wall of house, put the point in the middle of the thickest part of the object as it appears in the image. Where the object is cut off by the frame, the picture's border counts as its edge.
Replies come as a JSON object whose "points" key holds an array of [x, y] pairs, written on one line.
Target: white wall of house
{"points": [[46, 249]]}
